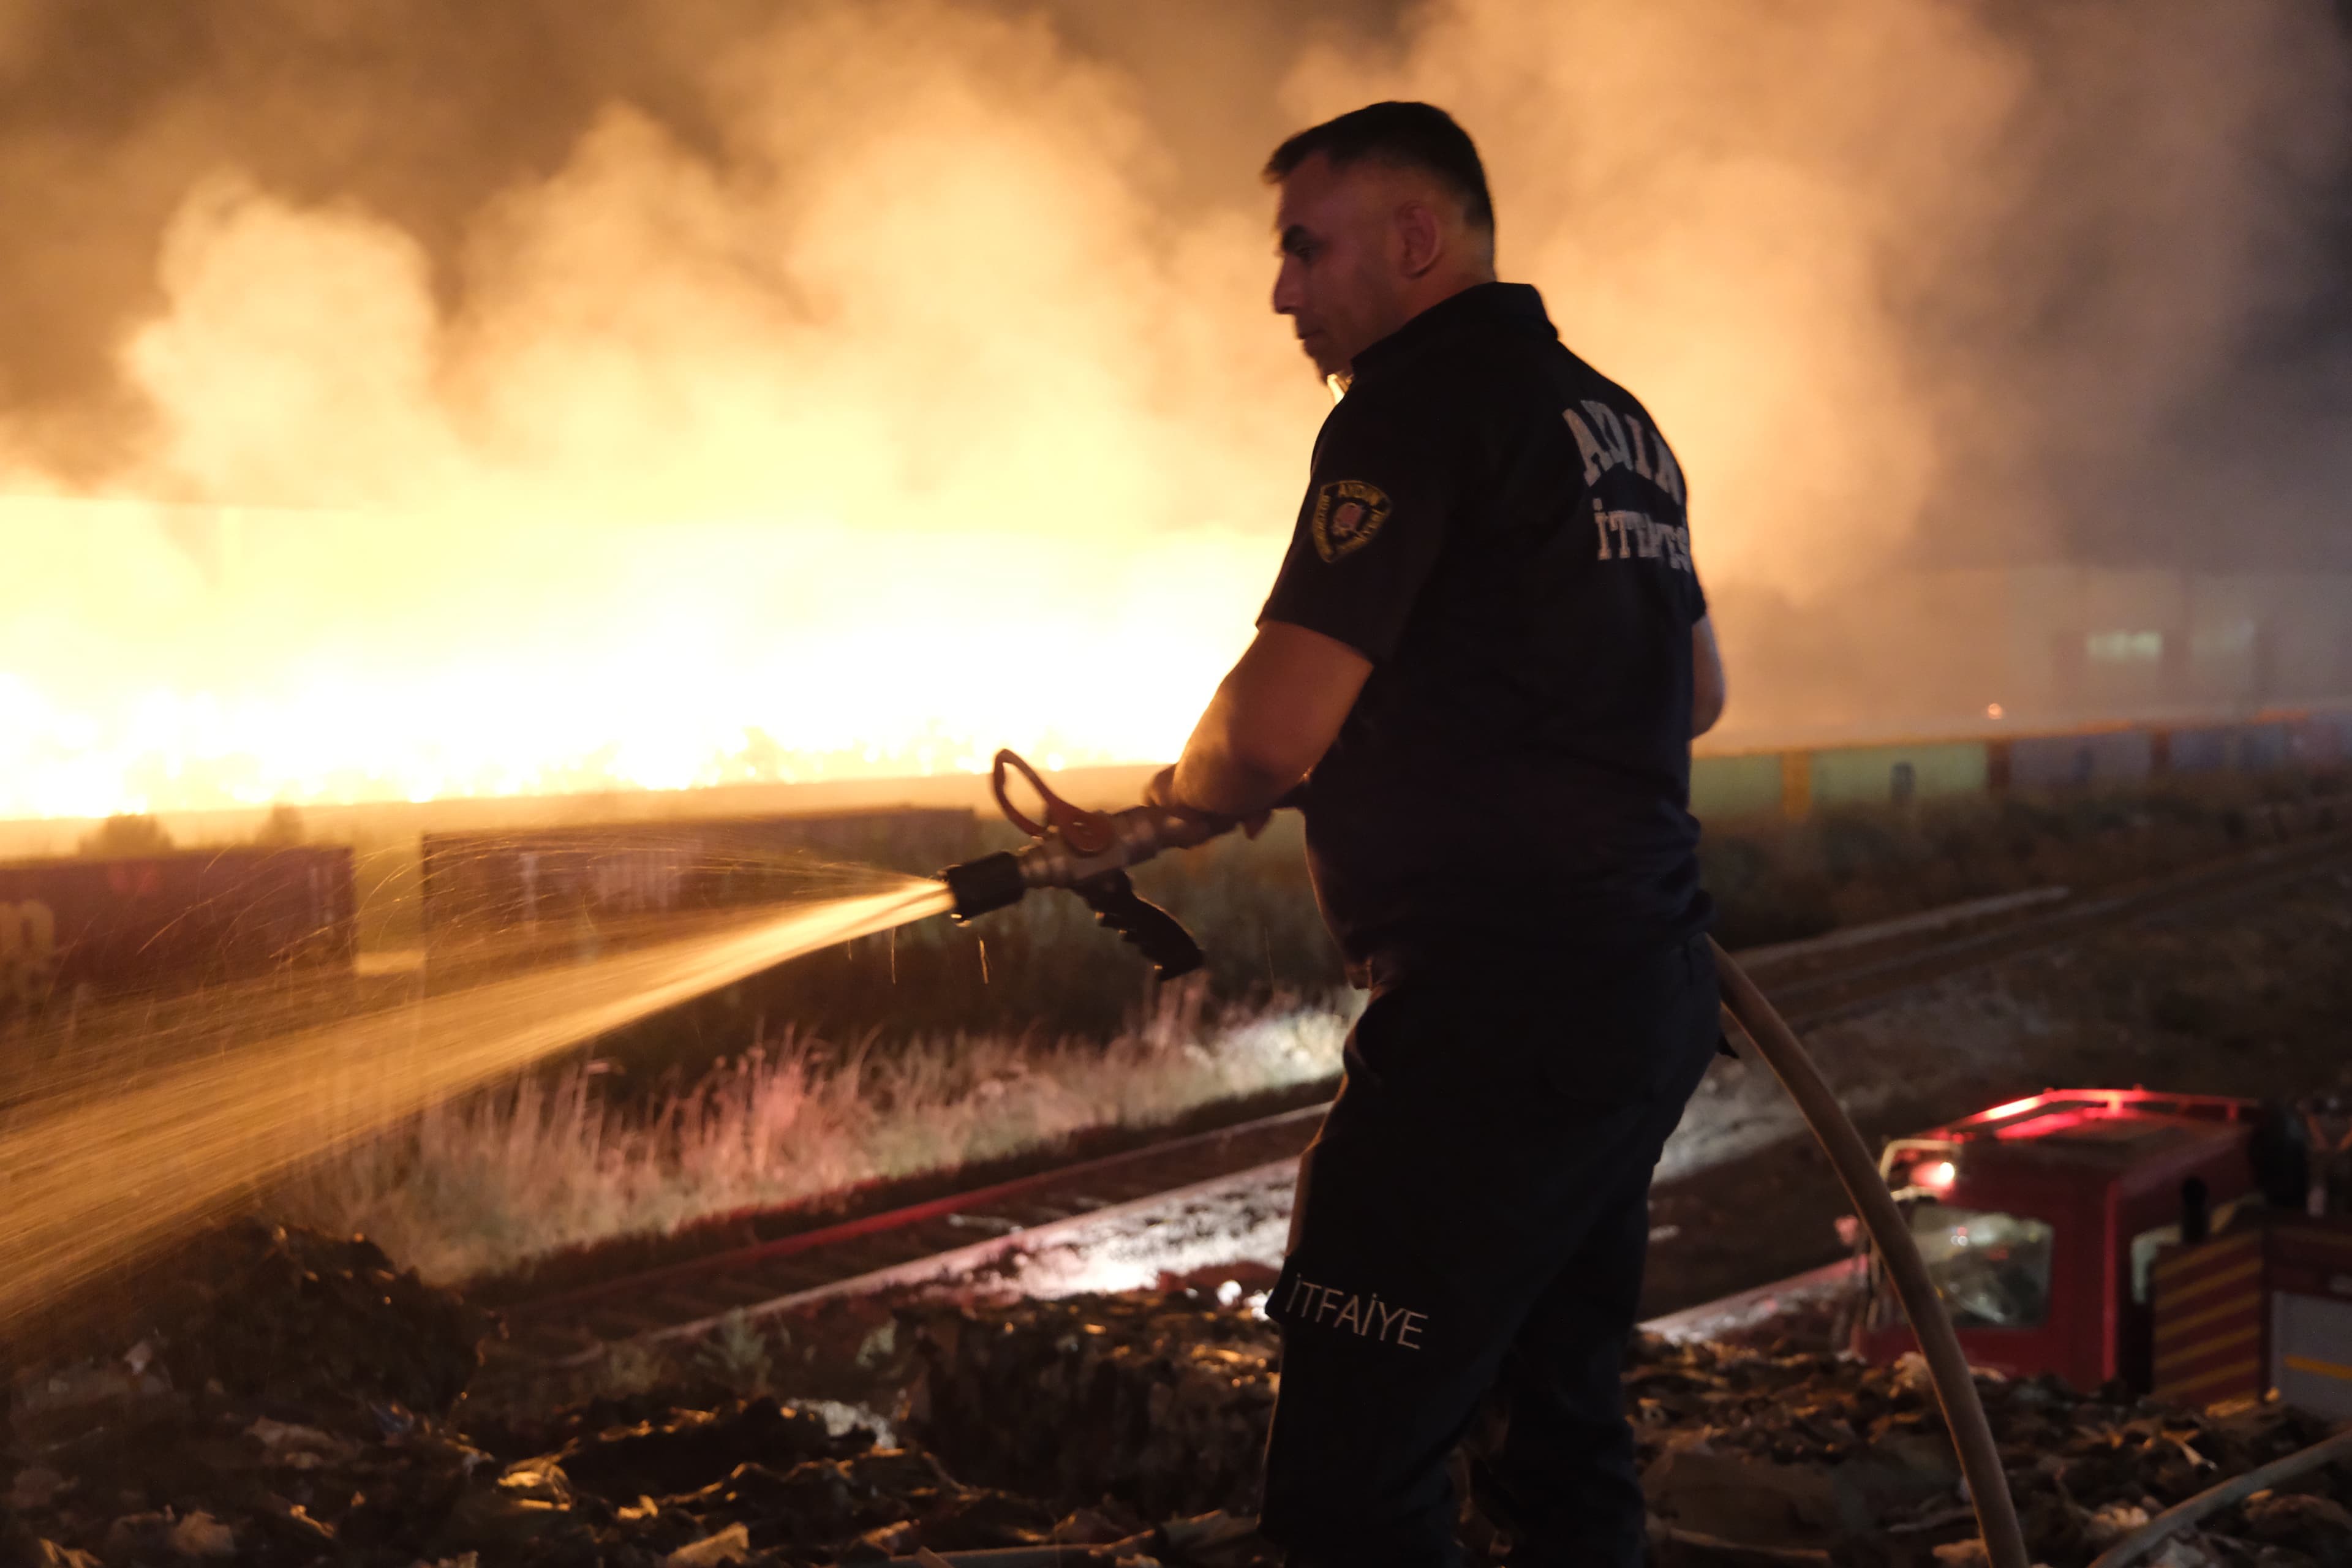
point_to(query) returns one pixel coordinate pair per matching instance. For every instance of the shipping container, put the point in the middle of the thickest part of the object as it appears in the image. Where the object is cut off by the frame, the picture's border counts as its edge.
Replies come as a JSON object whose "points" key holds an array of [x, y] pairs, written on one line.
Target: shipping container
{"points": [[1740, 784], [2218, 748], [2062, 762], [170, 922], [1898, 774], [2319, 739]]}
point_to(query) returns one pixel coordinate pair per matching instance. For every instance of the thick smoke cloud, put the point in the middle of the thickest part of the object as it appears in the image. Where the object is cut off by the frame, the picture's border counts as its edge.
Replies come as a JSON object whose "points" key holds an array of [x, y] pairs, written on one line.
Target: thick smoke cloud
{"points": [[895, 379], [1980, 268]]}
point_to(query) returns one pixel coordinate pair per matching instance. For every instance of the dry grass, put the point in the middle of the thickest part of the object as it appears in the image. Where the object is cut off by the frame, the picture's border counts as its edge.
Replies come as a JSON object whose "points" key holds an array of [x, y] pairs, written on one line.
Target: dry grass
{"points": [[489, 1184], [1005, 1056], [98, 1170]]}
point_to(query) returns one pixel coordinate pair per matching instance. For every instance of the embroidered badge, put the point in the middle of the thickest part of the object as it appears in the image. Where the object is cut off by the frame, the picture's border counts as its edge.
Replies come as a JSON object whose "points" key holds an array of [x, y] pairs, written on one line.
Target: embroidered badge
{"points": [[1347, 512]]}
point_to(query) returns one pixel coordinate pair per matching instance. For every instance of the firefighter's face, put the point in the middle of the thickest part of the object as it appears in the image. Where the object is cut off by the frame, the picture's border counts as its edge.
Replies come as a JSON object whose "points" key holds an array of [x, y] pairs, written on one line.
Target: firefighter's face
{"points": [[1345, 270]]}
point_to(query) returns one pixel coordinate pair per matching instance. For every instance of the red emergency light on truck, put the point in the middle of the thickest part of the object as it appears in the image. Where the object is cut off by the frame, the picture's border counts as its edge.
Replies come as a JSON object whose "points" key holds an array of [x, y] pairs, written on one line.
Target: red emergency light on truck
{"points": [[2042, 1221]]}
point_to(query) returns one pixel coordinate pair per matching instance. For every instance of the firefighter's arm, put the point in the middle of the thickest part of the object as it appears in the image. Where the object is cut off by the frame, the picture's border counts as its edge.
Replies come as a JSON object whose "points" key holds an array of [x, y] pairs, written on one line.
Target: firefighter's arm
{"points": [[1707, 689], [1273, 718]]}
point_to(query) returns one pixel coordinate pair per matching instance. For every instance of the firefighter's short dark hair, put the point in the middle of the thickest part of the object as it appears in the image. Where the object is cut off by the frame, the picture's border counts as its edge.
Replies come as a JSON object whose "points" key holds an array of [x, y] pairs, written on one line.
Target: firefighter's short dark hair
{"points": [[1411, 135]]}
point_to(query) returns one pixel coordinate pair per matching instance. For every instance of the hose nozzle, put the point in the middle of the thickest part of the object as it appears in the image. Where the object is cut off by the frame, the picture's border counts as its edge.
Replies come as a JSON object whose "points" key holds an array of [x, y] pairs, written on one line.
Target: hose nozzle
{"points": [[1087, 852], [988, 883]]}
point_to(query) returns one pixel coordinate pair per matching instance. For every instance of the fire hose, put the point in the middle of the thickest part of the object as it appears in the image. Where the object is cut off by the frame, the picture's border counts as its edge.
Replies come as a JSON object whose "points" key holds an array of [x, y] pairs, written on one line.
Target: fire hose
{"points": [[1088, 853], [2182, 1515], [1955, 1388]]}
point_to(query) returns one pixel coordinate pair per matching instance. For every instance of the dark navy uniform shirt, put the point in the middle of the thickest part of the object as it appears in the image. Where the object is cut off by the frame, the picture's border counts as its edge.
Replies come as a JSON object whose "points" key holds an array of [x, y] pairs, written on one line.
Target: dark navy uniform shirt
{"points": [[1500, 529]]}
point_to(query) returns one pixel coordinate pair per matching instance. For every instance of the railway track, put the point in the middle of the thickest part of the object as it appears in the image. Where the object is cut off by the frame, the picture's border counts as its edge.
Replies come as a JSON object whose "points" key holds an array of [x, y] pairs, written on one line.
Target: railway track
{"points": [[1811, 996], [965, 1233]]}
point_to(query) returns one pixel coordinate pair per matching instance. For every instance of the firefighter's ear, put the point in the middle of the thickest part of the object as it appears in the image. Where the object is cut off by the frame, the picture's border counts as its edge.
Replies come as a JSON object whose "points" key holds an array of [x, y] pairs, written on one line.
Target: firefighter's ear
{"points": [[1419, 236]]}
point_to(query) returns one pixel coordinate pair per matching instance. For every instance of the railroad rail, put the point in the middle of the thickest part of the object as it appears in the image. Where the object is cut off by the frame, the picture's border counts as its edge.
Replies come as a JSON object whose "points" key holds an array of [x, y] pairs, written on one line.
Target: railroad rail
{"points": [[964, 1233], [1811, 996]]}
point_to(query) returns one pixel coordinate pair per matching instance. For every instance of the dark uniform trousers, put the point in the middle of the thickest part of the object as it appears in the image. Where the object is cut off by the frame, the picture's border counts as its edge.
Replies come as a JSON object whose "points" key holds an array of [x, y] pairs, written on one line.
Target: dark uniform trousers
{"points": [[1473, 1218]]}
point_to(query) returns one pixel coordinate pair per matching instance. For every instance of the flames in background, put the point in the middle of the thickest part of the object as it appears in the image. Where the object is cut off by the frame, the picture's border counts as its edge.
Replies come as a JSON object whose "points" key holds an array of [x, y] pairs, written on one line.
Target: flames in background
{"points": [[328, 658], [911, 417]]}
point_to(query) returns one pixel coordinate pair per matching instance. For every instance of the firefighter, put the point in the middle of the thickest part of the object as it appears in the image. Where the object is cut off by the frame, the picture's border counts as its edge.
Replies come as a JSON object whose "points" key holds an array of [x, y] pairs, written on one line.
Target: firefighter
{"points": [[1486, 655]]}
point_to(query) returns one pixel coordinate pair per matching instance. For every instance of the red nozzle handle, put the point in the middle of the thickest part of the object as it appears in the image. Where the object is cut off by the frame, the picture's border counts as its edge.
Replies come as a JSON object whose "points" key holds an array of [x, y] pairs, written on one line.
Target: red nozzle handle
{"points": [[1086, 832]]}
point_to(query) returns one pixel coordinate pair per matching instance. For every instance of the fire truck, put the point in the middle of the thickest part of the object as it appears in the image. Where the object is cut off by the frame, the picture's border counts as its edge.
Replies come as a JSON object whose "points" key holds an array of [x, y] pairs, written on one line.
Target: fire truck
{"points": [[2173, 1243]]}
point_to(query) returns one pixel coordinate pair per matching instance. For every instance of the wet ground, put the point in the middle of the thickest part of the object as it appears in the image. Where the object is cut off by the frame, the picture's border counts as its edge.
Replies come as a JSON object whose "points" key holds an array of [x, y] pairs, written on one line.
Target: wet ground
{"points": [[2249, 1001], [870, 1431], [295, 1399]]}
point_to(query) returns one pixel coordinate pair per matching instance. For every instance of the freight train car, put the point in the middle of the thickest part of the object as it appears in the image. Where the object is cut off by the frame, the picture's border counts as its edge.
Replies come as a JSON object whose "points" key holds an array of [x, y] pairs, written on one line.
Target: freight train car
{"points": [[537, 880], [170, 922], [1794, 782]]}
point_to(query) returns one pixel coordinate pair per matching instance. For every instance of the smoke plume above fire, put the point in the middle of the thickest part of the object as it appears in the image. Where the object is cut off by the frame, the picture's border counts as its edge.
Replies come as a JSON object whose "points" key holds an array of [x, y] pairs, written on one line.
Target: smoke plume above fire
{"points": [[669, 394]]}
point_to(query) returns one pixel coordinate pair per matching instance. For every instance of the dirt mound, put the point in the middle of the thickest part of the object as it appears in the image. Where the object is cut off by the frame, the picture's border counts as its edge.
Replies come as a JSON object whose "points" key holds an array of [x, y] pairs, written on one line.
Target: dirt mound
{"points": [[1160, 1401], [282, 1321], [270, 1313]]}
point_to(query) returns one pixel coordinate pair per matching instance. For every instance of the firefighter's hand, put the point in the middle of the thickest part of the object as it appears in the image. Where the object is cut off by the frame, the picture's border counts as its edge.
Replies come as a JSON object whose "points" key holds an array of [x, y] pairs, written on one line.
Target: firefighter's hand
{"points": [[1162, 793]]}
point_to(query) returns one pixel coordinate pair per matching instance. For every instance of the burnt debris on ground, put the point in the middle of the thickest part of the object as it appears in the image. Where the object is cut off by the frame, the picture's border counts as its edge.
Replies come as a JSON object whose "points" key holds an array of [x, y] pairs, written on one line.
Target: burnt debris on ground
{"points": [[1770, 1443], [1162, 1401], [294, 1400], [297, 1403]]}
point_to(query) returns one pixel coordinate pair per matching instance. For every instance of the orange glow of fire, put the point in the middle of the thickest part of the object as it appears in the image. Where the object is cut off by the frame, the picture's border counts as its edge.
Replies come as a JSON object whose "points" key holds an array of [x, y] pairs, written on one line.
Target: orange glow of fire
{"points": [[327, 666]]}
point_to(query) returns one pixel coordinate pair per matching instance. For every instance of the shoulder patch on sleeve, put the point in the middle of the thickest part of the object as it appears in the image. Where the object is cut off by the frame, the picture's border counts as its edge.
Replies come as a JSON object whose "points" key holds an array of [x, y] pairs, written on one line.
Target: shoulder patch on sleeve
{"points": [[1347, 513]]}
